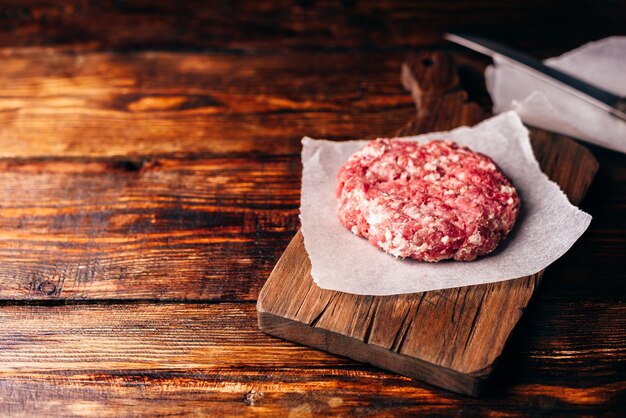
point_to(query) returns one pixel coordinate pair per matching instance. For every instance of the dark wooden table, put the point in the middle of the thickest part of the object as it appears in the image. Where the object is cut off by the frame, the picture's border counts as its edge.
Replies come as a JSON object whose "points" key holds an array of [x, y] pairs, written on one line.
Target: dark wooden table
{"points": [[149, 181]]}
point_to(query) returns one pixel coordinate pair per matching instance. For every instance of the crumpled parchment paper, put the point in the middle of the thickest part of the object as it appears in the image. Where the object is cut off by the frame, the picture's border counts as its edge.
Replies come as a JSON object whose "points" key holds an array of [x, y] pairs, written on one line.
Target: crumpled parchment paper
{"points": [[547, 227], [601, 63]]}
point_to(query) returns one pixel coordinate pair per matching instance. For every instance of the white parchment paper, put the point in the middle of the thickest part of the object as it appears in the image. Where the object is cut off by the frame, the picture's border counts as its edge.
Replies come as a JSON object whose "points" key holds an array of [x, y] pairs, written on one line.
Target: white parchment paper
{"points": [[601, 63], [547, 227]]}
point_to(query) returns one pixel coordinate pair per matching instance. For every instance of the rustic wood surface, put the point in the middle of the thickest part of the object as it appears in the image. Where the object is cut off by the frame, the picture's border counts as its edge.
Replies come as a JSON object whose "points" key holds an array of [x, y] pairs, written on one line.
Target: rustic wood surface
{"points": [[547, 27], [450, 338], [149, 170]]}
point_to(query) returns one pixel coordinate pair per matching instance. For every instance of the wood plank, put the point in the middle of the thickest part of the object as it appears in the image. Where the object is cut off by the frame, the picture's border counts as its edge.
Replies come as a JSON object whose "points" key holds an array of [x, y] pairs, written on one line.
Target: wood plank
{"points": [[159, 359], [450, 338], [142, 336], [596, 263], [293, 394], [223, 242], [137, 104], [119, 229], [286, 25]]}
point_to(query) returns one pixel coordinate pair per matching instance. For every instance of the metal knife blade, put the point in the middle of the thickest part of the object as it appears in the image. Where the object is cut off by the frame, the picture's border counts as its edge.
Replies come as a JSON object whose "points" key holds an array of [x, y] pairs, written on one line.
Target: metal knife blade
{"points": [[598, 97]]}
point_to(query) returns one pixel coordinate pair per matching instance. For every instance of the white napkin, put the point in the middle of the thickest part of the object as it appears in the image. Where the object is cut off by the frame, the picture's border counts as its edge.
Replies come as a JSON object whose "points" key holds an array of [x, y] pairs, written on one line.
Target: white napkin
{"points": [[547, 227], [602, 63]]}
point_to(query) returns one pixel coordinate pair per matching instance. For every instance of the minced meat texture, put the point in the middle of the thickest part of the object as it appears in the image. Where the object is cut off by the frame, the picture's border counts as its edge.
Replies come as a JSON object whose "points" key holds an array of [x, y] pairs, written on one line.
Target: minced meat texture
{"points": [[430, 202]]}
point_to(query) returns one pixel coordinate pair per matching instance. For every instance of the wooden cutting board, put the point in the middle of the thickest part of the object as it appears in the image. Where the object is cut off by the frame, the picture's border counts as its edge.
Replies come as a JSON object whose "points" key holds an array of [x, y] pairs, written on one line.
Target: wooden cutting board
{"points": [[450, 338]]}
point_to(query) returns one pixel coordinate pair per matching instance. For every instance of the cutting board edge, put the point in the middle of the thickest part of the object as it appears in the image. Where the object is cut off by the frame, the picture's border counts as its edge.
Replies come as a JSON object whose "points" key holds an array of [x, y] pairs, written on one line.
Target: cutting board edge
{"points": [[342, 345]]}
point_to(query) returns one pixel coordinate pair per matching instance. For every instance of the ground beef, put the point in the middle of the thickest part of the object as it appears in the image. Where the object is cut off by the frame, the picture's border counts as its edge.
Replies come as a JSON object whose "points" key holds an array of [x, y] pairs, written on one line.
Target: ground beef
{"points": [[430, 201]]}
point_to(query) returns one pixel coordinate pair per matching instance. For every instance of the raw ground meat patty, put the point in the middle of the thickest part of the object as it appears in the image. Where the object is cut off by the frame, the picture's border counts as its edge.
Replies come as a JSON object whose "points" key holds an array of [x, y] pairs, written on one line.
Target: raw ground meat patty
{"points": [[430, 201]]}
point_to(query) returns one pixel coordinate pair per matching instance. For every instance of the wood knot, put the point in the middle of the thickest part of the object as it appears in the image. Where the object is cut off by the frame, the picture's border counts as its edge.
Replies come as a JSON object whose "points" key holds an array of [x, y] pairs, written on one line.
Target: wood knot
{"points": [[335, 402], [132, 166], [252, 397], [47, 287], [427, 62], [155, 103]]}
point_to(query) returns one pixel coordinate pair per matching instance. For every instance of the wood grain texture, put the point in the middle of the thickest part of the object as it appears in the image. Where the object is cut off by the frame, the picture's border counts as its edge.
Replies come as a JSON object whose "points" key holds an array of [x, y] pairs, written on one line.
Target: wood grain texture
{"points": [[242, 26], [119, 228], [167, 359], [81, 85], [63, 182], [450, 338], [137, 104]]}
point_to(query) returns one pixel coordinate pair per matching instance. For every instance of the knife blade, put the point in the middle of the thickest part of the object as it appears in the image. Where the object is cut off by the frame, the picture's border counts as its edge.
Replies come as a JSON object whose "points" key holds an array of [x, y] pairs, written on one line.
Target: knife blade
{"points": [[596, 96]]}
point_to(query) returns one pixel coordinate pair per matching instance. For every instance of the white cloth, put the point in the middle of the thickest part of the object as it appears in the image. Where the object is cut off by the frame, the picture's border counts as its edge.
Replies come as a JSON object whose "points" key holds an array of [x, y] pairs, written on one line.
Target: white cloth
{"points": [[601, 63]]}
